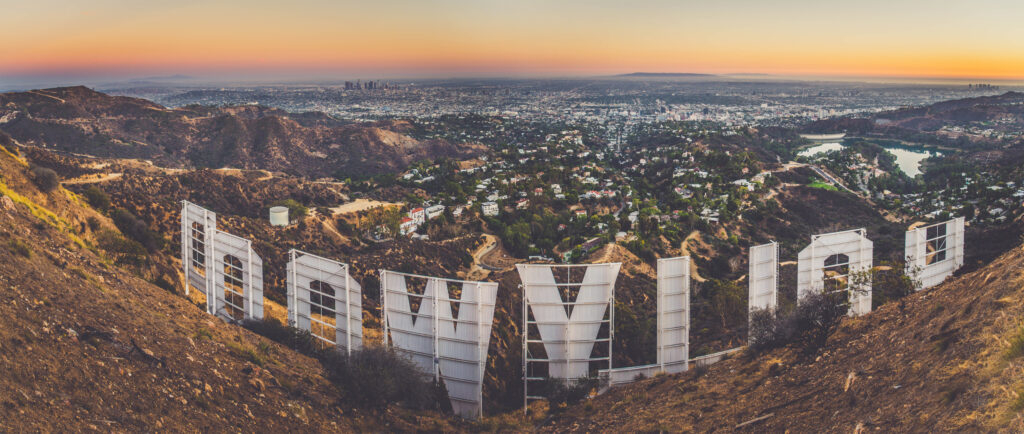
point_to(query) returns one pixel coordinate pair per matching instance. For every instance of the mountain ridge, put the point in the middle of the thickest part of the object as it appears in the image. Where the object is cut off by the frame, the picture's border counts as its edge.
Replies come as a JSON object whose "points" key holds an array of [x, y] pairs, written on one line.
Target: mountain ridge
{"points": [[81, 120], [930, 124]]}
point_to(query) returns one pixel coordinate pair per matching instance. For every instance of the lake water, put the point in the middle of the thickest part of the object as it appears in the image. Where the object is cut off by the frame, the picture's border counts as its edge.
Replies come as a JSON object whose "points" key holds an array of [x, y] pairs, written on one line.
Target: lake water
{"points": [[908, 159]]}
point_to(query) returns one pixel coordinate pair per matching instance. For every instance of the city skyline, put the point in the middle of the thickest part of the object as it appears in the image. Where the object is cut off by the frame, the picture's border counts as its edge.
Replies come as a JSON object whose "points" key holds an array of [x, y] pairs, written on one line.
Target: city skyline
{"points": [[317, 39]]}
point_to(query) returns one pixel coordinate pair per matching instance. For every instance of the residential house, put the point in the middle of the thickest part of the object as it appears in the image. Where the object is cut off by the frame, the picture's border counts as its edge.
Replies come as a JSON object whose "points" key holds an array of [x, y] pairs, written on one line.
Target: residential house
{"points": [[419, 215], [489, 208], [434, 211], [407, 226]]}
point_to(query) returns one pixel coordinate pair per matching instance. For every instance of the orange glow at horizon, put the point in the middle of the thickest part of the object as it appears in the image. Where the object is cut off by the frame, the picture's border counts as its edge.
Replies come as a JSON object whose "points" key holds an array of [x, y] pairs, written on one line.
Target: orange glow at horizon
{"points": [[939, 38]]}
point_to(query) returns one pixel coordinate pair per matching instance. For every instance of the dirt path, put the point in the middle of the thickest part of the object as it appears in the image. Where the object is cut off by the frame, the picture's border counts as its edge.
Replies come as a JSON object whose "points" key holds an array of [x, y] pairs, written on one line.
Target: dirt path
{"points": [[333, 232], [40, 93], [789, 166], [631, 264], [477, 272], [695, 235], [772, 193], [93, 178], [605, 256], [265, 174]]}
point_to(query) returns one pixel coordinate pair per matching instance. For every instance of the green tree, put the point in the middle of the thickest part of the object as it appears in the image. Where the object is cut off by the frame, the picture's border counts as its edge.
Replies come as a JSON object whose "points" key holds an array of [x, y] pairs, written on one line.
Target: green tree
{"points": [[97, 198], [46, 179], [727, 301]]}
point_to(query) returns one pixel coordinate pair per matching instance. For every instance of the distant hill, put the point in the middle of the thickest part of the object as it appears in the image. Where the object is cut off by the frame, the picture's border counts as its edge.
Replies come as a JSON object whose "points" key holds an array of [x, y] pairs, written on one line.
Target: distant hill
{"points": [[665, 75], [931, 124], [80, 120]]}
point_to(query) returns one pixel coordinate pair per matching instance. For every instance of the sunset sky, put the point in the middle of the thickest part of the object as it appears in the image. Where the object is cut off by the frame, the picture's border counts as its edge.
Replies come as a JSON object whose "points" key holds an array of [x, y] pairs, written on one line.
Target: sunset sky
{"points": [[936, 38]]}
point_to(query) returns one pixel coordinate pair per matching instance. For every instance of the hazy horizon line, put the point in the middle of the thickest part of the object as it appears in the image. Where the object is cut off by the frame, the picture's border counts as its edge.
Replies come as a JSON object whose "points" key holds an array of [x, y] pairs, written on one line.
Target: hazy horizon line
{"points": [[26, 81]]}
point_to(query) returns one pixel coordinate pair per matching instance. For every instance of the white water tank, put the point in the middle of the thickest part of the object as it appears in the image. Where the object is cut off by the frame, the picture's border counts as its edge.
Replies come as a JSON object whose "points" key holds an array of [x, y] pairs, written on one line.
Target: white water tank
{"points": [[279, 216]]}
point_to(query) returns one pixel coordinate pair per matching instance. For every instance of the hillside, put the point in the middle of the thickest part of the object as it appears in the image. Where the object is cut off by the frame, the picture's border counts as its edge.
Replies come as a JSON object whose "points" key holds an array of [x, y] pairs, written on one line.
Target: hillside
{"points": [[82, 121], [85, 345], [241, 199], [92, 295], [967, 123], [950, 358]]}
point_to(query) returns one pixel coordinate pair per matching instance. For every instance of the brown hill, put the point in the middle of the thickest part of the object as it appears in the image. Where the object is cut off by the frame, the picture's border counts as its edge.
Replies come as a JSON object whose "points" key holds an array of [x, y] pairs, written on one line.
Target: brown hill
{"points": [[242, 197], [87, 346], [1001, 113], [947, 359], [79, 120]]}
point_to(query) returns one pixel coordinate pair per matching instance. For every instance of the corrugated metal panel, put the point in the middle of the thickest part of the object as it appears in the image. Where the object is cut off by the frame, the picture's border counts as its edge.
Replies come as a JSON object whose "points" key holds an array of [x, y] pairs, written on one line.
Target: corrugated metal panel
{"points": [[569, 339], [197, 227], [549, 314], [463, 341], [324, 285], [458, 343], [931, 259], [673, 314], [238, 278], [411, 333], [811, 266], [764, 277]]}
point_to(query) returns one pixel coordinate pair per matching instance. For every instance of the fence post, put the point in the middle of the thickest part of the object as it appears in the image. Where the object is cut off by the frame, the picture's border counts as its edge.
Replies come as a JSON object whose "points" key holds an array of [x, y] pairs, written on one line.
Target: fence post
{"points": [[348, 312], [384, 306]]}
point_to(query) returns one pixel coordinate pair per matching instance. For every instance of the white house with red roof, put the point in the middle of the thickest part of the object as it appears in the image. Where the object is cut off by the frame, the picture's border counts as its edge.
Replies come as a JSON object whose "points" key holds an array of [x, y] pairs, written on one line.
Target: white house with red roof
{"points": [[407, 226], [419, 215]]}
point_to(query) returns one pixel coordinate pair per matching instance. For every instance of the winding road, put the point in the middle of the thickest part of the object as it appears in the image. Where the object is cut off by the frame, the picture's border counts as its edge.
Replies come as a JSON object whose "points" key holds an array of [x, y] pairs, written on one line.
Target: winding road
{"points": [[480, 268]]}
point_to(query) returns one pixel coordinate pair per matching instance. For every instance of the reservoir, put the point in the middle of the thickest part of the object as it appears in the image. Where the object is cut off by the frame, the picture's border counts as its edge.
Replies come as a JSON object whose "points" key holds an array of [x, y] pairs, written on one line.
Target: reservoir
{"points": [[908, 159]]}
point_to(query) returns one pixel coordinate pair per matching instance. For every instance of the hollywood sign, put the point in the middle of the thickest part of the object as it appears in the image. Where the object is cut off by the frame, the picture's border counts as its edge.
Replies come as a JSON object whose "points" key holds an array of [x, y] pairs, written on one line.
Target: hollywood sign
{"points": [[443, 325], [672, 349], [934, 252], [446, 334], [444, 329], [831, 262], [566, 329], [222, 266], [324, 300]]}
